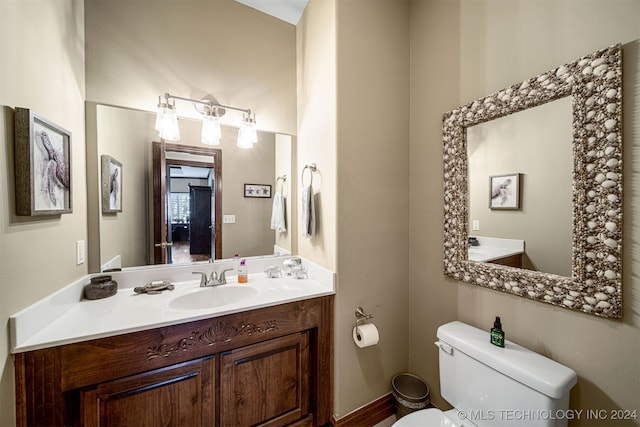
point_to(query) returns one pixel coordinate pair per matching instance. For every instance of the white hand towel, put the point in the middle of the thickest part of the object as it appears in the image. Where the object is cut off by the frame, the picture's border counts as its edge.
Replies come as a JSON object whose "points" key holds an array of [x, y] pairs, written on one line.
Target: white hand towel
{"points": [[308, 213], [277, 213]]}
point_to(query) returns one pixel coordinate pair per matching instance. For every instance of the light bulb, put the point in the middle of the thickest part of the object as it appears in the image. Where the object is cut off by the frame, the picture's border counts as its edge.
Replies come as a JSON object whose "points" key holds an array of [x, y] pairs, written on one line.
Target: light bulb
{"points": [[244, 136], [161, 115], [169, 128], [211, 132]]}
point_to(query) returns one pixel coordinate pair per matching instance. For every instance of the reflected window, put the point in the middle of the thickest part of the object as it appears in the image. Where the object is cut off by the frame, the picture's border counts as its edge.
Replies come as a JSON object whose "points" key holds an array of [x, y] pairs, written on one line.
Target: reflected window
{"points": [[179, 207]]}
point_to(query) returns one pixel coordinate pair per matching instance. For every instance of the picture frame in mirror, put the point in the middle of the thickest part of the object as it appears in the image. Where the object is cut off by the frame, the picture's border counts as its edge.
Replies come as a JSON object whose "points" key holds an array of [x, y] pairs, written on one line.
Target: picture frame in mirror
{"points": [[111, 184], [260, 191], [504, 192]]}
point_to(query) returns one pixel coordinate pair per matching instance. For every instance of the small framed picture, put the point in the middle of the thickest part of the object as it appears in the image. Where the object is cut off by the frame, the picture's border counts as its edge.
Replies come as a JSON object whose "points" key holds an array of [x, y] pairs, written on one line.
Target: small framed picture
{"points": [[262, 191], [42, 165], [504, 191], [111, 185]]}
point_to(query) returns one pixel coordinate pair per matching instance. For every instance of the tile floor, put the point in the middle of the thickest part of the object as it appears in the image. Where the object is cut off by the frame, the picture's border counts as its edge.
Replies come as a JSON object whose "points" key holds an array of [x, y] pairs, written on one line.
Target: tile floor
{"points": [[386, 422]]}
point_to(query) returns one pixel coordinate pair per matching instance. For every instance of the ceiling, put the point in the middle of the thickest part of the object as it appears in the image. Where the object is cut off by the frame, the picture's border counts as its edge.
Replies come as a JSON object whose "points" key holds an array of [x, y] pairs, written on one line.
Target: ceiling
{"points": [[189, 172], [287, 10]]}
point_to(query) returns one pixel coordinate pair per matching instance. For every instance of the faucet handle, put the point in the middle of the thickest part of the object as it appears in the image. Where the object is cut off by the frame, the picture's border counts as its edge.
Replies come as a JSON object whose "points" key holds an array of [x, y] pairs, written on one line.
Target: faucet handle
{"points": [[203, 278], [289, 264], [299, 273], [273, 271], [223, 276]]}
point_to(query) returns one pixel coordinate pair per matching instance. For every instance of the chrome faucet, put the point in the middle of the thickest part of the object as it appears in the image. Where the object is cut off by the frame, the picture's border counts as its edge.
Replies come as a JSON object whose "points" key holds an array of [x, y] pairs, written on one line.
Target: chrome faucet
{"points": [[214, 279], [293, 267], [289, 264]]}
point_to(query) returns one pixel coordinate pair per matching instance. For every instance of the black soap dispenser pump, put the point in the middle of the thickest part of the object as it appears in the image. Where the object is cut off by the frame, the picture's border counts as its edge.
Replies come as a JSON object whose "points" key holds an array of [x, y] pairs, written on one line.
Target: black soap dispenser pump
{"points": [[497, 334]]}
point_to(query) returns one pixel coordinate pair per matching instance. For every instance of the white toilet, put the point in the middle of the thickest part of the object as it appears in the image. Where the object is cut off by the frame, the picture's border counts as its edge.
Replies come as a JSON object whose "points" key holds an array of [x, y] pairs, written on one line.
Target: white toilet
{"points": [[494, 386]]}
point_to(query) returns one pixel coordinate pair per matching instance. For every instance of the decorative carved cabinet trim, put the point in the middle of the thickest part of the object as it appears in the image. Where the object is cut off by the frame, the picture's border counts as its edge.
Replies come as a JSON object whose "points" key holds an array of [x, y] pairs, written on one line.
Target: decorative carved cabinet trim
{"points": [[218, 332], [76, 383]]}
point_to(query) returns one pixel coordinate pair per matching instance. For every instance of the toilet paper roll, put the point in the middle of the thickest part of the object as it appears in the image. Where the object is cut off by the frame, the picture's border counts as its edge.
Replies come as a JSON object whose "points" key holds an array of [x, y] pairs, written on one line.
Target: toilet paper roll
{"points": [[366, 335]]}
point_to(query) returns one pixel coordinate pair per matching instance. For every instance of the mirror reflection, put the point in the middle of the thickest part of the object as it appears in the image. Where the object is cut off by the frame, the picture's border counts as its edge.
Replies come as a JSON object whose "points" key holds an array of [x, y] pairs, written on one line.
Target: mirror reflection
{"points": [[126, 239], [187, 208], [534, 147]]}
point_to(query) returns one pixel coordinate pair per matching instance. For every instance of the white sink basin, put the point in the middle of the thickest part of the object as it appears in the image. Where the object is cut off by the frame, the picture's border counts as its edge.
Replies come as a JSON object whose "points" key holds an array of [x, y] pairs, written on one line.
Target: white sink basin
{"points": [[213, 296]]}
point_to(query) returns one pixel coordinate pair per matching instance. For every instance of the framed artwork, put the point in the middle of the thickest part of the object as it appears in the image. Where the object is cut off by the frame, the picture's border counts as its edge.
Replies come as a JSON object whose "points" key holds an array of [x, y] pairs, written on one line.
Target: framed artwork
{"points": [[262, 191], [111, 184], [504, 191], [42, 156]]}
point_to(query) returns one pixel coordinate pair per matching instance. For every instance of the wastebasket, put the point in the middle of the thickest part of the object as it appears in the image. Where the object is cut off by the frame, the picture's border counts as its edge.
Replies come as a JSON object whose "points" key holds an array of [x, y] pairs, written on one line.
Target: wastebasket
{"points": [[410, 393]]}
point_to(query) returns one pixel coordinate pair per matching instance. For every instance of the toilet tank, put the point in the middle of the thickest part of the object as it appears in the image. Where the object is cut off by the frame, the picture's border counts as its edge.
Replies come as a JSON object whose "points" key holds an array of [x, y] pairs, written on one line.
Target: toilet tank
{"points": [[494, 386]]}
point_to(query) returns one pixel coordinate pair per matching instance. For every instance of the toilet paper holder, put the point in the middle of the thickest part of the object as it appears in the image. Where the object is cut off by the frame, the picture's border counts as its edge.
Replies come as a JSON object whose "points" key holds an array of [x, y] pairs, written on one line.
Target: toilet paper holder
{"points": [[361, 316]]}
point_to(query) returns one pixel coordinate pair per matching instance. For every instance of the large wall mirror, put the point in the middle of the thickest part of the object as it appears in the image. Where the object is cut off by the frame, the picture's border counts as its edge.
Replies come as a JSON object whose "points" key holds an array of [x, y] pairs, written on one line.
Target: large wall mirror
{"points": [[126, 239], [550, 150]]}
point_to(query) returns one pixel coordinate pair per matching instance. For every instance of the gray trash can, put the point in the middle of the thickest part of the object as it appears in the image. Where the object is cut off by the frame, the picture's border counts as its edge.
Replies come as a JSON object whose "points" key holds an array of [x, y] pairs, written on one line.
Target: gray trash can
{"points": [[410, 393]]}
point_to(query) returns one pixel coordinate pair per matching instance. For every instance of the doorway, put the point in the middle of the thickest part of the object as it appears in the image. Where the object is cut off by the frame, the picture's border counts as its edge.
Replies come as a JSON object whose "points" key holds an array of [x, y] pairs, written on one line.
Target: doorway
{"points": [[187, 214]]}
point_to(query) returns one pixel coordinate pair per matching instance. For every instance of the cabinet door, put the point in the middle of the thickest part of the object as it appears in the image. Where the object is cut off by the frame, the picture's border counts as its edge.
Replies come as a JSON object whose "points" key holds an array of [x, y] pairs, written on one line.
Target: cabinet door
{"points": [[178, 395], [266, 383]]}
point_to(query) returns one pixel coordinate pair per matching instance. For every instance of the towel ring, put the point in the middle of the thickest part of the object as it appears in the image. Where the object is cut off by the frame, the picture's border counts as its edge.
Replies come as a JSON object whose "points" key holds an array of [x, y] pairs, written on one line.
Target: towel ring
{"points": [[282, 178], [312, 168]]}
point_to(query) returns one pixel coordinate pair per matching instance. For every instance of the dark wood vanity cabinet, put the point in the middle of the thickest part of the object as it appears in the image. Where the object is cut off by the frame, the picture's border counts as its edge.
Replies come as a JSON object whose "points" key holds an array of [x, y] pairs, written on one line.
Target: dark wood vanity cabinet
{"points": [[173, 396], [266, 383], [510, 261], [266, 367]]}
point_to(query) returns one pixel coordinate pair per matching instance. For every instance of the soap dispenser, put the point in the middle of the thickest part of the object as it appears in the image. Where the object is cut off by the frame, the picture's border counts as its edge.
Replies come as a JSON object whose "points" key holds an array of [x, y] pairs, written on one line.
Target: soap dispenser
{"points": [[497, 334], [242, 272]]}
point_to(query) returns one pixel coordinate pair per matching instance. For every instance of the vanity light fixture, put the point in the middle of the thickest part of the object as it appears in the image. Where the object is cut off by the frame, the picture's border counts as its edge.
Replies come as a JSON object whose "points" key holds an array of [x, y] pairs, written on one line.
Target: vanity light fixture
{"points": [[167, 121]]}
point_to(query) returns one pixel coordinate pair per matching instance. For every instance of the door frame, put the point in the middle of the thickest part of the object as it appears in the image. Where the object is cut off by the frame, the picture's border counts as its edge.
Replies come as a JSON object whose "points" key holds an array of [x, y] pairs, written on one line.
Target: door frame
{"points": [[159, 166]]}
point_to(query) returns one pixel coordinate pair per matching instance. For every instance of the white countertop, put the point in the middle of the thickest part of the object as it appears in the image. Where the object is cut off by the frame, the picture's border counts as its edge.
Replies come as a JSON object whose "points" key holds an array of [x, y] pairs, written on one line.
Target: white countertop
{"points": [[492, 248], [65, 318]]}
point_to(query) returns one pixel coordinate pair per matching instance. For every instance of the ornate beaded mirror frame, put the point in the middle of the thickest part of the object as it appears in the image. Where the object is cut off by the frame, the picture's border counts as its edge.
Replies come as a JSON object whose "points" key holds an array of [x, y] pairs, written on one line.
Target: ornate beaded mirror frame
{"points": [[595, 84]]}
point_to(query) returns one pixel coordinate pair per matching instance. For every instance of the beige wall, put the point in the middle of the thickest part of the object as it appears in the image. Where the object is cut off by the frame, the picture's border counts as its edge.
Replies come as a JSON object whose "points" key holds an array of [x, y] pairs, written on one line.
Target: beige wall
{"points": [[483, 46], [435, 78], [372, 195], [42, 45], [122, 134], [251, 234], [138, 50], [316, 137], [285, 166]]}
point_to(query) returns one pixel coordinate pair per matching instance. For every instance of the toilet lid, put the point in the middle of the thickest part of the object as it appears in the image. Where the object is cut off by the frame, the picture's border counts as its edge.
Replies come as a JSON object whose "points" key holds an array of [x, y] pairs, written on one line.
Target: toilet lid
{"points": [[431, 417]]}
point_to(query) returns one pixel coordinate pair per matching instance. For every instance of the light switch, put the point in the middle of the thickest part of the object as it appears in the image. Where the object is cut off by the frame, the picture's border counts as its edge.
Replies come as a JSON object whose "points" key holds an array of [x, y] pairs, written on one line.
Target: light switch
{"points": [[475, 225], [80, 252], [229, 219]]}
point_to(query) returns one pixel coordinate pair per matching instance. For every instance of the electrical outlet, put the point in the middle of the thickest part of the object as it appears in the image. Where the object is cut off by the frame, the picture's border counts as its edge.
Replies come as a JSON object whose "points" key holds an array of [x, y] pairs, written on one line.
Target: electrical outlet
{"points": [[80, 252], [229, 219], [475, 225]]}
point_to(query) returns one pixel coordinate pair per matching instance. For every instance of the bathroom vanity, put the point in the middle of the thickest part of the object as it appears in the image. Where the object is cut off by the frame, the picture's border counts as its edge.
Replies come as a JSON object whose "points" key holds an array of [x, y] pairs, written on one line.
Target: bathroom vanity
{"points": [[497, 251], [263, 361]]}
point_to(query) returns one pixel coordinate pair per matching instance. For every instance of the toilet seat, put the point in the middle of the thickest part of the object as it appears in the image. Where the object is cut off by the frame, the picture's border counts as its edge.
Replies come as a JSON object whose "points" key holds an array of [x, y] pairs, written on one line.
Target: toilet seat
{"points": [[431, 417]]}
